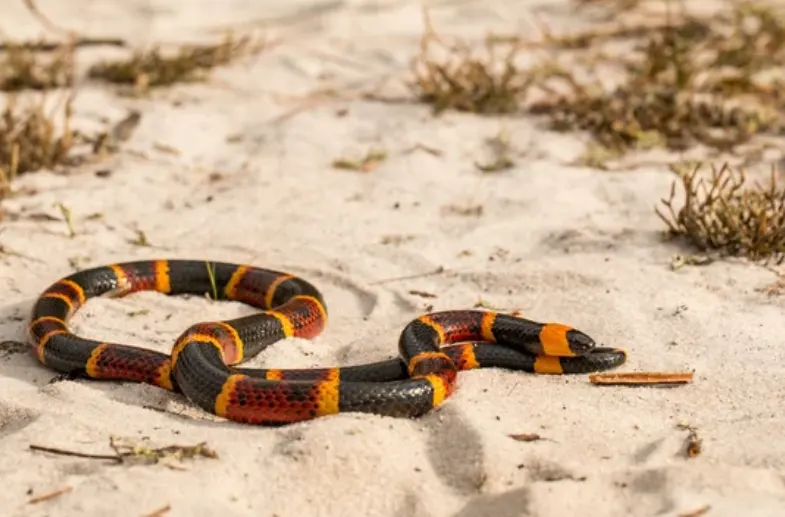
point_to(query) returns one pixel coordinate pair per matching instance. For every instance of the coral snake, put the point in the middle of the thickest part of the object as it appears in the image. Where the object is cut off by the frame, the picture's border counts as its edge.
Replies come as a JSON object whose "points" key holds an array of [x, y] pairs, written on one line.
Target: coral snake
{"points": [[203, 362]]}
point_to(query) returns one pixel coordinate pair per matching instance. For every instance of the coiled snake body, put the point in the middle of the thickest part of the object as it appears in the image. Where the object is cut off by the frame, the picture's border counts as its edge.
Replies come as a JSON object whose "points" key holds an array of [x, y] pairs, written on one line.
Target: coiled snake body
{"points": [[204, 360]]}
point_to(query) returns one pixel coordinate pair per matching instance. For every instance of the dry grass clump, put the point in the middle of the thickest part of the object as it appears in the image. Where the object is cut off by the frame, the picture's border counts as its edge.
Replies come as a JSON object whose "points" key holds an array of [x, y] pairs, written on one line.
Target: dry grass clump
{"points": [[712, 80], [24, 67], [464, 81], [468, 83], [682, 90], [34, 137], [30, 140], [151, 68], [723, 214]]}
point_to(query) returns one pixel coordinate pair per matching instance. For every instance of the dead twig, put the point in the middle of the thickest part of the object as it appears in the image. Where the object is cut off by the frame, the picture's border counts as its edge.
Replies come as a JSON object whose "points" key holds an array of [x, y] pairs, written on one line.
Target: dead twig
{"points": [[526, 437], [698, 512], [159, 512], [33, 8], [64, 452], [134, 453], [50, 495], [640, 378], [436, 271], [367, 163], [48, 46]]}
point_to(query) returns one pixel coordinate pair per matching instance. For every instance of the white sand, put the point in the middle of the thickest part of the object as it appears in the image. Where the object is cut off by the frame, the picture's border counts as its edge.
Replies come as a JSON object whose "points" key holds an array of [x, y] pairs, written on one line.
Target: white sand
{"points": [[559, 242]]}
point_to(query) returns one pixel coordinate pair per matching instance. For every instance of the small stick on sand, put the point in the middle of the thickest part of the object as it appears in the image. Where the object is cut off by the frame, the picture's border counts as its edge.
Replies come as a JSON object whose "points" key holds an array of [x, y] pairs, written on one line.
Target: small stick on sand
{"points": [[159, 512], [33, 8], [697, 512], [50, 495], [436, 271], [641, 378], [125, 453], [48, 46], [77, 454], [526, 437]]}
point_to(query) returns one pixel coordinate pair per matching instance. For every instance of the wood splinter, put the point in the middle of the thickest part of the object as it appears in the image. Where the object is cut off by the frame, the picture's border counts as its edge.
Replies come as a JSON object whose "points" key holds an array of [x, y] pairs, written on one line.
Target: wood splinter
{"points": [[641, 378], [50, 495]]}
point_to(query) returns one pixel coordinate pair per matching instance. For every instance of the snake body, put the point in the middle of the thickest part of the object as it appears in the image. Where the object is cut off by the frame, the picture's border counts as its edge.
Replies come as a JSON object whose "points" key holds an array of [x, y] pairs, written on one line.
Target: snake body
{"points": [[205, 358]]}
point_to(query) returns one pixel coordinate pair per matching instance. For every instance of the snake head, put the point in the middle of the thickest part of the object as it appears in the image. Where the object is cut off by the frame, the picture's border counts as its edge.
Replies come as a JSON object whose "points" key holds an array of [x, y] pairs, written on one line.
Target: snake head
{"points": [[579, 342]]}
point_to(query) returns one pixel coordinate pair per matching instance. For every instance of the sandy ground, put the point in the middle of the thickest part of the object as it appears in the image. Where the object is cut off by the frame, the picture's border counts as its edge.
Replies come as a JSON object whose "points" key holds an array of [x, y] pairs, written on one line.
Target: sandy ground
{"points": [[559, 242]]}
